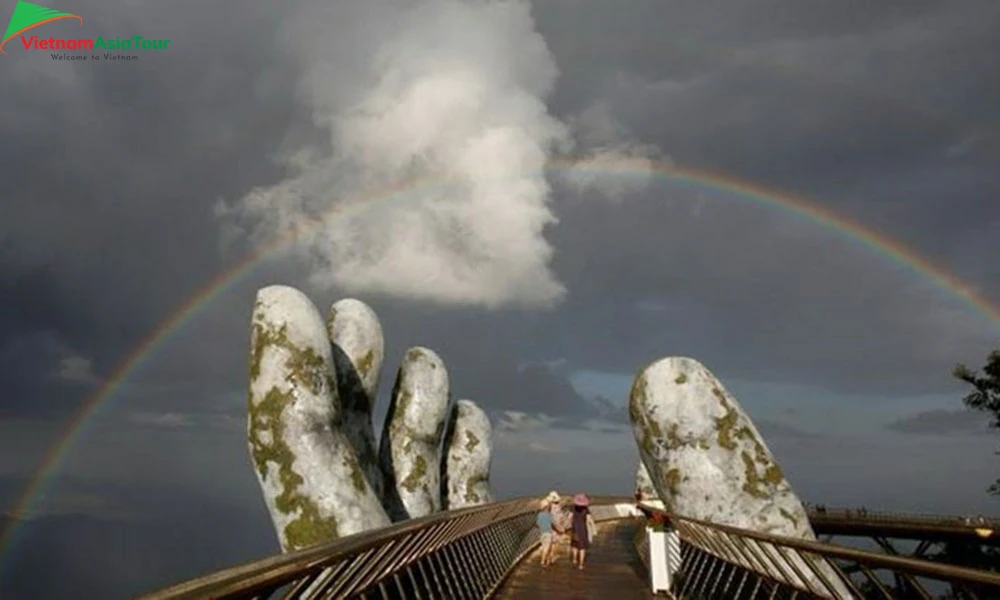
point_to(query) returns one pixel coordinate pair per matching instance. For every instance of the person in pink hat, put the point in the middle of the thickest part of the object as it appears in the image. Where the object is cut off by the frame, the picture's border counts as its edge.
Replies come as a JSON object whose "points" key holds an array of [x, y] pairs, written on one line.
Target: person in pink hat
{"points": [[583, 529]]}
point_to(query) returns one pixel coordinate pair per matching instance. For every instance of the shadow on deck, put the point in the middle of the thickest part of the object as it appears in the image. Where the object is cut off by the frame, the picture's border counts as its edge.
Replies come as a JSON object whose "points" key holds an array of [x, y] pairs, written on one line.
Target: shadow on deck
{"points": [[613, 570]]}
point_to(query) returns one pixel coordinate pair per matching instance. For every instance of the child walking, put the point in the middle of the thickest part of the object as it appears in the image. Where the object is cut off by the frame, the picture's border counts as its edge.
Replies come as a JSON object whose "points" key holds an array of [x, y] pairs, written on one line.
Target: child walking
{"points": [[544, 522]]}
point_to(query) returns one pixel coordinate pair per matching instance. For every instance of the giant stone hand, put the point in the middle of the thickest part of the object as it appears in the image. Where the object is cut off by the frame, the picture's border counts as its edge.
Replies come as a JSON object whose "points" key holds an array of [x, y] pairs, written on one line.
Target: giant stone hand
{"points": [[706, 459], [312, 391]]}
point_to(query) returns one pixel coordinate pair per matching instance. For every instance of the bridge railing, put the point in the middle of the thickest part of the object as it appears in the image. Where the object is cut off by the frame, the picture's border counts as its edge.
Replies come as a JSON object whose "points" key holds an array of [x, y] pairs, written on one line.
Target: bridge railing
{"points": [[460, 554], [900, 518], [717, 561]]}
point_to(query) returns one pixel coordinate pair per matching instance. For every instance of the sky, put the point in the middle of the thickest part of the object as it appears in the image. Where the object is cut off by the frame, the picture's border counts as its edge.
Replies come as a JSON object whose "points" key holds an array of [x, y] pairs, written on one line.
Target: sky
{"points": [[128, 187]]}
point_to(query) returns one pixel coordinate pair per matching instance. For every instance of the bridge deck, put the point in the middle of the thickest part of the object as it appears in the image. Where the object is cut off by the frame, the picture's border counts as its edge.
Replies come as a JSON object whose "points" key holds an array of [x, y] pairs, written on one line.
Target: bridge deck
{"points": [[613, 570]]}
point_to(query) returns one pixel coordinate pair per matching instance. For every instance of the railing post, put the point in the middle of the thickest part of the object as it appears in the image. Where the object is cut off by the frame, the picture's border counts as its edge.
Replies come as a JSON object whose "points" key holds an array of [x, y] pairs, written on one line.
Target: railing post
{"points": [[664, 557]]}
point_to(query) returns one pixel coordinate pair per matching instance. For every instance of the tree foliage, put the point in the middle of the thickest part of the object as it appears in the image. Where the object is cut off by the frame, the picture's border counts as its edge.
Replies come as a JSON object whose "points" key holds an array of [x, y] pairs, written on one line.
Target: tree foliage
{"points": [[985, 395]]}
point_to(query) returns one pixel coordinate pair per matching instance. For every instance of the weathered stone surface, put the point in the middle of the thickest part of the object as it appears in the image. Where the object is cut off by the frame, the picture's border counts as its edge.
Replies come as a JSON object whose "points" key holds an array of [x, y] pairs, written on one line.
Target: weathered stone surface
{"points": [[312, 481], [410, 451], [643, 483], [358, 350], [707, 461], [705, 457], [468, 447]]}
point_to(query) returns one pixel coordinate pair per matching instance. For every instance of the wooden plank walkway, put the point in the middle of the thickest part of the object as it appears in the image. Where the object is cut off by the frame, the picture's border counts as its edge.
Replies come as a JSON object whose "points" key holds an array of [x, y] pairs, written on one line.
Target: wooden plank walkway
{"points": [[612, 570]]}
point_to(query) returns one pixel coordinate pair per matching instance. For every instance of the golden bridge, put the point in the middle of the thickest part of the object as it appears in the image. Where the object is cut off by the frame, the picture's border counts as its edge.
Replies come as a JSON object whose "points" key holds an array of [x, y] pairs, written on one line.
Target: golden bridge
{"points": [[490, 551]]}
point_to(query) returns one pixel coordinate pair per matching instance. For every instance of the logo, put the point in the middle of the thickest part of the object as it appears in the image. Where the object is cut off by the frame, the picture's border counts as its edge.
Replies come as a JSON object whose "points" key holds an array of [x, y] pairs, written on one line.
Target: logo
{"points": [[28, 16]]}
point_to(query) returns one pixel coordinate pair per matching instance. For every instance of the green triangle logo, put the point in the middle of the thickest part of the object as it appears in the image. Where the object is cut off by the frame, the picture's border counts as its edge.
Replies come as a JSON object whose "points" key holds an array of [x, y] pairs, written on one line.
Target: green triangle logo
{"points": [[27, 16]]}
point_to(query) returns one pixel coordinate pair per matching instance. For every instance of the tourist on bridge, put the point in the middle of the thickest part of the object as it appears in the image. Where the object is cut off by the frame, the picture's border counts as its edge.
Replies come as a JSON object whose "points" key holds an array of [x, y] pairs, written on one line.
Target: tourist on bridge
{"points": [[561, 522], [544, 522], [583, 529]]}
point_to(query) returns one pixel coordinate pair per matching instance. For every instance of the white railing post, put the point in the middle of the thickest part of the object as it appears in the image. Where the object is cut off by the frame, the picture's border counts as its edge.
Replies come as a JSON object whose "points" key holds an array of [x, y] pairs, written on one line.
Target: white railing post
{"points": [[664, 557]]}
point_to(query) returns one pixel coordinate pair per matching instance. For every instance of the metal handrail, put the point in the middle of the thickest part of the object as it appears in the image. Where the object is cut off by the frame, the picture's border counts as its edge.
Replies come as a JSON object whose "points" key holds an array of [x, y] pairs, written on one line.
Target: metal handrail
{"points": [[862, 515], [464, 553], [717, 557]]}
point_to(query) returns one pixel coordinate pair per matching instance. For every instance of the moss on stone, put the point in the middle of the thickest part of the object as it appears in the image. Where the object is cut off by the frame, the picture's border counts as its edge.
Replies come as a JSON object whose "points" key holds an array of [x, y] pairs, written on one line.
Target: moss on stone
{"points": [[672, 479], [403, 399], [649, 429], [751, 480], [636, 395], [308, 527], [681, 379], [724, 427], [470, 485], [789, 516], [416, 476], [365, 364], [357, 475], [306, 366], [256, 351], [704, 444], [306, 369], [756, 484], [471, 441]]}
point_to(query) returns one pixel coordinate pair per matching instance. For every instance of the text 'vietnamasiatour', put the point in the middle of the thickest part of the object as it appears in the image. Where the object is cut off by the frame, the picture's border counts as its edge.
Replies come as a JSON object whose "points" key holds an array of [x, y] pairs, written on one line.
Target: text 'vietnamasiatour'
{"points": [[136, 42]]}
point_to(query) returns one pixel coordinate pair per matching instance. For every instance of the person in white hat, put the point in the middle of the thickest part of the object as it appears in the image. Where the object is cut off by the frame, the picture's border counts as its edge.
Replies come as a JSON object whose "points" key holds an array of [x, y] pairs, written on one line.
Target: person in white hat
{"points": [[560, 524], [543, 520]]}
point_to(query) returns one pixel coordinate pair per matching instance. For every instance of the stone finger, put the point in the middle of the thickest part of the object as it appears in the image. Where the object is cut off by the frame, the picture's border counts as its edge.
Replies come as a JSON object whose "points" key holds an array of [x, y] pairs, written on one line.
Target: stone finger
{"points": [[697, 441], [707, 460], [358, 350], [468, 449], [310, 476], [410, 451]]}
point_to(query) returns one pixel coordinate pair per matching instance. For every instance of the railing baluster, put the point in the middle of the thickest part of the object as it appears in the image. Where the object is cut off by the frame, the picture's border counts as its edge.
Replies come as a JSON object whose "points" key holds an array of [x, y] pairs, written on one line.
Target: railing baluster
{"points": [[434, 576], [699, 566], [463, 564], [806, 579], [484, 575], [743, 581], [344, 579], [713, 562], [410, 571], [298, 586], [490, 543], [459, 570], [437, 561], [363, 577], [733, 568]]}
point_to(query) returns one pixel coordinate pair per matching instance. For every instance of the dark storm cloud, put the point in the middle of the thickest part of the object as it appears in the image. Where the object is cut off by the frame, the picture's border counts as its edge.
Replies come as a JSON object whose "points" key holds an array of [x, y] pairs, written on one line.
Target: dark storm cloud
{"points": [[885, 113], [887, 116], [142, 226], [943, 422], [111, 171]]}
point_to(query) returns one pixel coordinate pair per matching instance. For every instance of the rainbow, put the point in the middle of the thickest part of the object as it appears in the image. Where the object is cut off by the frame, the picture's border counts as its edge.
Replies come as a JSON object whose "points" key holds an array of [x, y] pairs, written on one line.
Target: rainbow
{"points": [[880, 244]]}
